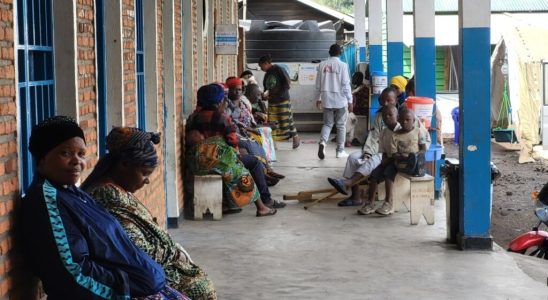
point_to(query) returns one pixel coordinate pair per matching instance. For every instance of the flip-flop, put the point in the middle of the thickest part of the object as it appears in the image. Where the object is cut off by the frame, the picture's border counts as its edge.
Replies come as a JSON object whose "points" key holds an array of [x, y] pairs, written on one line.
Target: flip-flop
{"points": [[338, 185], [271, 212], [296, 144], [232, 211], [349, 202]]}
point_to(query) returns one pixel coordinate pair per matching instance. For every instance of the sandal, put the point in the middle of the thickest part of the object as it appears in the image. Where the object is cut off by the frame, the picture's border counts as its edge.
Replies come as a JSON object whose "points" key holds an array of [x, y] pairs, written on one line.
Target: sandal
{"points": [[232, 211], [349, 202], [338, 185], [296, 142], [271, 212]]}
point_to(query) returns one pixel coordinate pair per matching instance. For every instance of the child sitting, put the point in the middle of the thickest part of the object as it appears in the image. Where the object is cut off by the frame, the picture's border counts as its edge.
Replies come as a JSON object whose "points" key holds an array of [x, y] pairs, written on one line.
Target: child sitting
{"points": [[404, 152], [361, 163], [409, 144], [386, 171]]}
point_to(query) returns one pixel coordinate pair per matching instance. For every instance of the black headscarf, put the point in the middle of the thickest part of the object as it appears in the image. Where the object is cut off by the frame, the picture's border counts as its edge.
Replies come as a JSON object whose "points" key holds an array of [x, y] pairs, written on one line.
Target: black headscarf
{"points": [[51, 132]]}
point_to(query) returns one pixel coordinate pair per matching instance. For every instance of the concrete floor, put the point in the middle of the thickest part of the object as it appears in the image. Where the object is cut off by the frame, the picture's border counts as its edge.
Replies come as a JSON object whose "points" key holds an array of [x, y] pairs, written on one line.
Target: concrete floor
{"points": [[329, 252]]}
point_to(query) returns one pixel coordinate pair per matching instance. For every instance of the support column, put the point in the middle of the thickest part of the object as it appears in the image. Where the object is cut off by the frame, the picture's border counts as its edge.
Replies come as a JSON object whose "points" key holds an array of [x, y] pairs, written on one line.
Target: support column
{"points": [[359, 27], [170, 115], [475, 142], [394, 18], [375, 49], [425, 49], [425, 65]]}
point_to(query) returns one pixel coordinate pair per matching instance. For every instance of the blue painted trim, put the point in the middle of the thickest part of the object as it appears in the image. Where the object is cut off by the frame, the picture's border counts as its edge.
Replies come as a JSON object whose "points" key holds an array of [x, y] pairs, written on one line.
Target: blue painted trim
{"points": [[474, 122], [102, 83], [140, 64], [375, 58], [362, 54], [63, 246], [375, 65], [425, 67], [35, 72], [395, 58]]}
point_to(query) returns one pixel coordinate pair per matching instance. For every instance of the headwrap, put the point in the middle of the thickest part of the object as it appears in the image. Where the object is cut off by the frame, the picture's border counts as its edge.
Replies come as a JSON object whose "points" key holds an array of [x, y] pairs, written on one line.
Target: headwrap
{"points": [[210, 94], [134, 145], [399, 81], [51, 132], [234, 81]]}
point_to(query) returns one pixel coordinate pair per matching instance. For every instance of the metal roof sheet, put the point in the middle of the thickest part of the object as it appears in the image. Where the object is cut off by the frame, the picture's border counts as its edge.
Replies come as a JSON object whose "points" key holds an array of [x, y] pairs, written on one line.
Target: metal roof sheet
{"points": [[452, 6]]}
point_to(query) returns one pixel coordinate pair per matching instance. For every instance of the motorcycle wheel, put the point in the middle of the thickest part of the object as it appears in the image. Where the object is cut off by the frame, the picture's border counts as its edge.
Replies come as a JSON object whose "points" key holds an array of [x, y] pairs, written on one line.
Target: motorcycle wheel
{"points": [[540, 251]]}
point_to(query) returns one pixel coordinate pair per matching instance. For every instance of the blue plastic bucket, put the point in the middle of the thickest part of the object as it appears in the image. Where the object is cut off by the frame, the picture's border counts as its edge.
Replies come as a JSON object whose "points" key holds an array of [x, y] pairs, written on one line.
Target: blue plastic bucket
{"points": [[434, 152]]}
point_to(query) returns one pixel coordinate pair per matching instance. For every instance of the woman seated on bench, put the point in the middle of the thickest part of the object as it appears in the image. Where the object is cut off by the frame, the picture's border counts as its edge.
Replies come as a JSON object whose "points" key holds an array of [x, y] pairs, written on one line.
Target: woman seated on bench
{"points": [[71, 243], [212, 148], [130, 161], [250, 138]]}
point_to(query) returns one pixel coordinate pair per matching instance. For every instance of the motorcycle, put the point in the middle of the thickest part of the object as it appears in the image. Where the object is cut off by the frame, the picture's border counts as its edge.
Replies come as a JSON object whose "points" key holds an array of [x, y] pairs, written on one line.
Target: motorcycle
{"points": [[535, 242]]}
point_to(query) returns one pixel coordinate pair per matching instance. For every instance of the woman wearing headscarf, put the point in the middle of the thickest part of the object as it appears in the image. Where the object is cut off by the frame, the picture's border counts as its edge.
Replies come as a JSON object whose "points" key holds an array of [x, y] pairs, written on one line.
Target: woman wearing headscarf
{"points": [[399, 83], [125, 169], [212, 148], [84, 253], [250, 137], [277, 83]]}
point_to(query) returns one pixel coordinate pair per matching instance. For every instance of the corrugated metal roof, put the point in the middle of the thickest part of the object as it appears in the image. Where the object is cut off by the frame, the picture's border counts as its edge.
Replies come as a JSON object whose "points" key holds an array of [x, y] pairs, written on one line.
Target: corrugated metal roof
{"points": [[327, 10], [452, 6]]}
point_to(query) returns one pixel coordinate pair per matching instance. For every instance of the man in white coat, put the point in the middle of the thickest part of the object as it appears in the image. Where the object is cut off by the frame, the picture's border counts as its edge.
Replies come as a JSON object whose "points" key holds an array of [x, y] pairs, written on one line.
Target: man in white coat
{"points": [[334, 95]]}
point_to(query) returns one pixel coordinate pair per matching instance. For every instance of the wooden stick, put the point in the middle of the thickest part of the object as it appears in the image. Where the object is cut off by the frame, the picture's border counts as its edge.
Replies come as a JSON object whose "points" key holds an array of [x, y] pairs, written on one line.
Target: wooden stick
{"points": [[333, 193]]}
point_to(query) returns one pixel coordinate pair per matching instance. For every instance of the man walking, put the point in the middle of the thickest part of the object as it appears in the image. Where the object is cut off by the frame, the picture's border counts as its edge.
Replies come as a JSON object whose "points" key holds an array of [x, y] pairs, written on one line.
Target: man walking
{"points": [[333, 93]]}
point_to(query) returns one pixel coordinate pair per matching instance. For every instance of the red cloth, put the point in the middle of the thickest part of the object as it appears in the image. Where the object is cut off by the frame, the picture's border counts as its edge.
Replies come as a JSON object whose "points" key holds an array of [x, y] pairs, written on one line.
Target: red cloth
{"points": [[234, 81]]}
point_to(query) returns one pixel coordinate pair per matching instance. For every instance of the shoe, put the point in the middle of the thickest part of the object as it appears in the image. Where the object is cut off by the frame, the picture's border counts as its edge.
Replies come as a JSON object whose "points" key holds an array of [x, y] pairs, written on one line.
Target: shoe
{"points": [[274, 174], [338, 184], [275, 204], [271, 181], [366, 209], [385, 209], [348, 144], [349, 202], [342, 154], [321, 151]]}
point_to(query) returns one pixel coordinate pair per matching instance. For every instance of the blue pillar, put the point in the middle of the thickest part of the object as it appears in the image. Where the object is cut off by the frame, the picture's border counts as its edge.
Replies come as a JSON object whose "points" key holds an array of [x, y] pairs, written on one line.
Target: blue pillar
{"points": [[359, 28], [375, 49], [475, 142], [394, 19], [425, 66], [425, 49]]}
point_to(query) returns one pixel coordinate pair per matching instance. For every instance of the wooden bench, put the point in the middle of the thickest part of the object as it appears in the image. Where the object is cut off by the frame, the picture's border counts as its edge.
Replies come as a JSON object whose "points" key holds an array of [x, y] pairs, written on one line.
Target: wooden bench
{"points": [[416, 193], [208, 195]]}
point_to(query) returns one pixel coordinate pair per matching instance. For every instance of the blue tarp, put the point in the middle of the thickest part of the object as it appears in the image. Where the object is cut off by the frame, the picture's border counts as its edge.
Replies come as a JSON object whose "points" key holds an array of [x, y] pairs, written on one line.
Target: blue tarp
{"points": [[349, 56]]}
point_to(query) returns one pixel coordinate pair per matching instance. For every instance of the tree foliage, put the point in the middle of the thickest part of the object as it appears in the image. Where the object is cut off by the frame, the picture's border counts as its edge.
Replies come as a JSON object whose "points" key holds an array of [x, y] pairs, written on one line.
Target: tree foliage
{"points": [[344, 6]]}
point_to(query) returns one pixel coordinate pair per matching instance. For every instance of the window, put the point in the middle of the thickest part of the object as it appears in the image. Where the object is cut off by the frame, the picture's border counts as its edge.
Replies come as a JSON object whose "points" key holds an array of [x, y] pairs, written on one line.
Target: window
{"points": [[140, 64], [101, 76], [34, 71]]}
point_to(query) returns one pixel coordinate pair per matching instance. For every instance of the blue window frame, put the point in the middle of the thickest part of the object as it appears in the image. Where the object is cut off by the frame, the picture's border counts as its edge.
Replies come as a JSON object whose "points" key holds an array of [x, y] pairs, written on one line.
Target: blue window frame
{"points": [[140, 62], [35, 72], [101, 76]]}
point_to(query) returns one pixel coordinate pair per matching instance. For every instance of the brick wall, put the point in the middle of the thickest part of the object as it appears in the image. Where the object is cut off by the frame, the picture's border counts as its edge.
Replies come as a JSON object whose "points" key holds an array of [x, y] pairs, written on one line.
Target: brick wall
{"points": [[128, 39], [178, 74], [153, 194], [85, 37], [8, 144]]}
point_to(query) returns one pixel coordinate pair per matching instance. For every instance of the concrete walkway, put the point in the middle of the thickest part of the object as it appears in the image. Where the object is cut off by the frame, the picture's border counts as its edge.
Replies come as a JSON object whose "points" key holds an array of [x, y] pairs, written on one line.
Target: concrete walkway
{"points": [[329, 252]]}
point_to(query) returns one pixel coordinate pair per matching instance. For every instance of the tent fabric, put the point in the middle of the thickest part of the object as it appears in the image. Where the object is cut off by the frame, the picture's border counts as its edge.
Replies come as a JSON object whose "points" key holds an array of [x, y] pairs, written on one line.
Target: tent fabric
{"points": [[523, 49]]}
